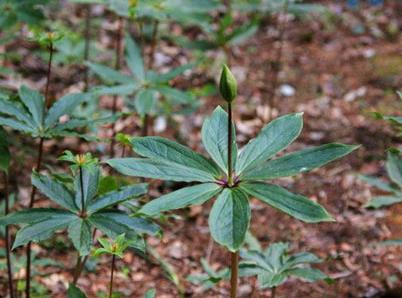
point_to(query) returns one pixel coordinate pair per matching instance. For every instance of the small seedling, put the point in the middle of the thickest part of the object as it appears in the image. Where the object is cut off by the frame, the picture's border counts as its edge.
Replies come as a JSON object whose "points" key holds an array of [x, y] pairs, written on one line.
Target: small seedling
{"points": [[114, 248], [210, 278], [274, 265], [232, 177]]}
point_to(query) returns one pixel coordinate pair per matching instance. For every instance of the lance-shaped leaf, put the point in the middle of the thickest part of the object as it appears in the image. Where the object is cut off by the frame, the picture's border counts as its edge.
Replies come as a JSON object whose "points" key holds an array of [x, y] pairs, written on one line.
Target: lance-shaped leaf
{"points": [[215, 138], [109, 74], [381, 201], [54, 190], [125, 89], [116, 197], [147, 168], [80, 233], [35, 103], [295, 205], [229, 218], [380, 184], [134, 58], [158, 148], [15, 124], [171, 74], [29, 216], [90, 183], [192, 195], [144, 101], [13, 109], [176, 96], [135, 224], [274, 137], [42, 230], [64, 106], [299, 162], [308, 274], [394, 167]]}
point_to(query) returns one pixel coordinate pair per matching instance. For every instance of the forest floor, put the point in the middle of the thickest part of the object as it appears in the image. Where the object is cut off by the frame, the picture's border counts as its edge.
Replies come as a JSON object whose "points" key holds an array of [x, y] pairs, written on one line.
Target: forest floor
{"points": [[336, 76]]}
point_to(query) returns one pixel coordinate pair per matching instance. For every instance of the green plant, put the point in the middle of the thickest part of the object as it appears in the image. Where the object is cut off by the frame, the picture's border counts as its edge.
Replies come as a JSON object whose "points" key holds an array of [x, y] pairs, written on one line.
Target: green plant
{"points": [[232, 177], [274, 265], [395, 121], [114, 248], [83, 209], [393, 166], [22, 11], [210, 278], [147, 86]]}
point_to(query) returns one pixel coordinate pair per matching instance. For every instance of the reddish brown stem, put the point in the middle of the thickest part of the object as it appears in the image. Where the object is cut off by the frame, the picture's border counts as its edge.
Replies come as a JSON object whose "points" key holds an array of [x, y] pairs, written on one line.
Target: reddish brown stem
{"points": [[234, 273], [37, 169], [118, 47], [111, 276], [7, 238]]}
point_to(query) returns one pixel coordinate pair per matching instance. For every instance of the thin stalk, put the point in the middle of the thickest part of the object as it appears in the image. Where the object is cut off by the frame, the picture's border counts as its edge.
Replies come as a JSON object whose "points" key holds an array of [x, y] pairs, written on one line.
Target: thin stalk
{"points": [[118, 47], [82, 191], [146, 120], [111, 276], [230, 141], [277, 68], [234, 273], [7, 236], [273, 292], [37, 169], [87, 35]]}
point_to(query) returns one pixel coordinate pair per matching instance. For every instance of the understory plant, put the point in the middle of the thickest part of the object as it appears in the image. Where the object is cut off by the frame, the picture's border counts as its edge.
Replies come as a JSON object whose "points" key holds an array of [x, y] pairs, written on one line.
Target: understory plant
{"points": [[232, 176], [210, 278], [274, 265], [81, 208]]}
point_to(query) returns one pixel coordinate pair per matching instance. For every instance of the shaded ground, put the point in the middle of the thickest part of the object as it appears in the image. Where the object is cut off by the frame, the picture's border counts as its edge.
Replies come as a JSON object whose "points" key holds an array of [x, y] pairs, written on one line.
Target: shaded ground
{"points": [[338, 78]]}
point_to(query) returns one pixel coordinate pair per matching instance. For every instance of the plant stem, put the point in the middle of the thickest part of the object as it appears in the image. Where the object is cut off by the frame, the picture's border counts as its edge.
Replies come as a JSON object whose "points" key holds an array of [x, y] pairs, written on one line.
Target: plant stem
{"points": [[7, 238], [87, 35], [234, 273], [230, 141], [118, 47], [273, 292], [82, 191], [111, 276], [37, 169]]}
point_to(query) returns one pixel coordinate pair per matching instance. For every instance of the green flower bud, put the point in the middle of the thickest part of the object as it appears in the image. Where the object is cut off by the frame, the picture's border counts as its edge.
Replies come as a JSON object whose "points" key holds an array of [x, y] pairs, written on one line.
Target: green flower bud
{"points": [[227, 84]]}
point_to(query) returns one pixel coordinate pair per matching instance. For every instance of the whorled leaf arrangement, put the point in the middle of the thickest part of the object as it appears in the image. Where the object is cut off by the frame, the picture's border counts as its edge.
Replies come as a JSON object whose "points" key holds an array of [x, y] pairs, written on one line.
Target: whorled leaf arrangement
{"points": [[274, 265], [230, 215], [145, 85], [30, 115], [82, 210]]}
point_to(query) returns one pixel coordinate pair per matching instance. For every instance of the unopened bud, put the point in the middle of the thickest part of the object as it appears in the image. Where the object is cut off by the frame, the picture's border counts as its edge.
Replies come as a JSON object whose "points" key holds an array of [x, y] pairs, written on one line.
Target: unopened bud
{"points": [[227, 85]]}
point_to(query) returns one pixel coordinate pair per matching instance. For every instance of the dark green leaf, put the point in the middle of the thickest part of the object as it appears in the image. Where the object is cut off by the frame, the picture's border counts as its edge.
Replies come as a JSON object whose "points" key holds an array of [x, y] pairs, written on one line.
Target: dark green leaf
{"points": [[134, 58], [394, 167], [12, 109], [90, 184], [192, 195], [29, 216], [274, 137], [229, 218], [80, 233], [14, 124], [75, 292], [4, 152], [295, 205], [109, 75], [144, 101], [381, 201], [35, 103]]}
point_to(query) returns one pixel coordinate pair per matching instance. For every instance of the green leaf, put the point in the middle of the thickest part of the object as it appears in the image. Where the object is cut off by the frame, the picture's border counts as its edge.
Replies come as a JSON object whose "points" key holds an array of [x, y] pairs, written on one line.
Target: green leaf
{"points": [[176, 96], [42, 230], [308, 274], [4, 152], [12, 109], [150, 293], [90, 183], [192, 195], [274, 137], [80, 233], [55, 191], [229, 218], [134, 58], [215, 138], [299, 162], [14, 124], [144, 101], [29, 216], [295, 205], [64, 106], [381, 201], [35, 103], [393, 242], [394, 167], [377, 183], [173, 73], [167, 151], [135, 224], [75, 292], [125, 89], [108, 74], [116, 197], [147, 168]]}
